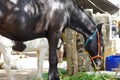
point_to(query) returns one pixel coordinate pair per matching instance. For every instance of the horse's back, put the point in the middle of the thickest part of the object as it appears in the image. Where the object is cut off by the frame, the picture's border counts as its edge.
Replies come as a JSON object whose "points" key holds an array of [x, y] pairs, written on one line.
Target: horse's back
{"points": [[32, 19]]}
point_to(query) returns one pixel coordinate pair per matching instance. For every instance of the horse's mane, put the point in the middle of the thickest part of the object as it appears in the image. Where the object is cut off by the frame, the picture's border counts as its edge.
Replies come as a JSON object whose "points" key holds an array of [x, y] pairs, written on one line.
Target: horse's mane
{"points": [[90, 17]]}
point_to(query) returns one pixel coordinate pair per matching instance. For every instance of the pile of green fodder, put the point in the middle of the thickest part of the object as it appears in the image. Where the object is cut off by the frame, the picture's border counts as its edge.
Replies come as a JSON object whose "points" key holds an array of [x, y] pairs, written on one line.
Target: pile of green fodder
{"points": [[80, 76], [86, 76]]}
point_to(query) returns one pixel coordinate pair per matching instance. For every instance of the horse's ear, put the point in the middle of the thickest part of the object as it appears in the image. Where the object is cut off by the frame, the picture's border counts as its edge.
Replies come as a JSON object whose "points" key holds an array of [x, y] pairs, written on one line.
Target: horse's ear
{"points": [[99, 27]]}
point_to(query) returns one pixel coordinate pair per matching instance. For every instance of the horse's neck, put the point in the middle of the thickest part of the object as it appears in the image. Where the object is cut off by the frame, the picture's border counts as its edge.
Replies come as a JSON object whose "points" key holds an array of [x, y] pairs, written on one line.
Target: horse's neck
{"points": [[82, 22], [90, 29]]}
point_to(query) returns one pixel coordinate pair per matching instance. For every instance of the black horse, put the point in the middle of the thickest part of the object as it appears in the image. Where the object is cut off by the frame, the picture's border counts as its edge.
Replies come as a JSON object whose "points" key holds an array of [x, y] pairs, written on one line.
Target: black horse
{"points": [[22, 20]]}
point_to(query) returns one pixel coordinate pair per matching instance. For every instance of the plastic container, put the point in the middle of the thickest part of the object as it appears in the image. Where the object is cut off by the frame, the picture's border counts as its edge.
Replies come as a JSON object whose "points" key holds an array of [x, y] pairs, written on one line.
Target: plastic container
{"points": [[112, 62]]}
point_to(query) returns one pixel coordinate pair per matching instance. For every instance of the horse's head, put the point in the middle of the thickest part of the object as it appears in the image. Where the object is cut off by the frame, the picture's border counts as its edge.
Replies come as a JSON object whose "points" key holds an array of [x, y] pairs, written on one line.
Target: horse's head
{"points": [[94, 45]]}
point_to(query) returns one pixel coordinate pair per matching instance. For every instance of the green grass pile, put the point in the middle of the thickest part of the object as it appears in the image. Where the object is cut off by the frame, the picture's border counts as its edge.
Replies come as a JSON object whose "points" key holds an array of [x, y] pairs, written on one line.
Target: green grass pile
{"points": [[80, 76], [86, 76]]}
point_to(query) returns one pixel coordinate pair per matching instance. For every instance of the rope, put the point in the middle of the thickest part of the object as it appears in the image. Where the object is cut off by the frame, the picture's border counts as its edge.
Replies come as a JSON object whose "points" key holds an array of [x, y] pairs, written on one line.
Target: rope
{"points": [[98, 43], [97, 6]]}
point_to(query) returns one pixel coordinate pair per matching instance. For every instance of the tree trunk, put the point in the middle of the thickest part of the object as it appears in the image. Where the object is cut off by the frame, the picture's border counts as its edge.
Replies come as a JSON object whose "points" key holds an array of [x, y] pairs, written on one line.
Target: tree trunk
{"points": [[71, 51]]}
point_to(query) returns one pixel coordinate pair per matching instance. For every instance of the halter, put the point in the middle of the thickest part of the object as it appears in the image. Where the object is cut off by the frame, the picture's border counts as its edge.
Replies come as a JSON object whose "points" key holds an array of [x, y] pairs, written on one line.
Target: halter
{"points": [[98, 43], [90, 38]]}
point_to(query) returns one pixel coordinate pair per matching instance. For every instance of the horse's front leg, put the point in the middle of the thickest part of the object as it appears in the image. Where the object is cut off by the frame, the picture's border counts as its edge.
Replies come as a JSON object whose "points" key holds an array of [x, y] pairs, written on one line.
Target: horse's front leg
{"points": [[53, 61], [7, 58]]}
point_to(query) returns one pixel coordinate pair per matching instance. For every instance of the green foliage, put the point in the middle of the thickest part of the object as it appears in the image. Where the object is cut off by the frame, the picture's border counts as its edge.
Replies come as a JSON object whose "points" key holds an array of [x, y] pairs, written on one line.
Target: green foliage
{"points": [[80, 76], [45, 75], [86, 76], [34, 79]]}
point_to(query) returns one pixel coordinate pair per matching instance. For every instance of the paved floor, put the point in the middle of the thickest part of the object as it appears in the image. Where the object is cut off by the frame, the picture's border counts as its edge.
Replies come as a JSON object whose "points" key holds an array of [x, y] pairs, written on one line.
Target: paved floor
{"points": [[27, 68], [28, 74]]}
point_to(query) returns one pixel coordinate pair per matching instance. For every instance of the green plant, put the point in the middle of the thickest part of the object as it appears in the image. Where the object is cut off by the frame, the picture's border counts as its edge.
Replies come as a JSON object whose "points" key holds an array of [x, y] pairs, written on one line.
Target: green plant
{"points": [[86, 76], [80, 76]]}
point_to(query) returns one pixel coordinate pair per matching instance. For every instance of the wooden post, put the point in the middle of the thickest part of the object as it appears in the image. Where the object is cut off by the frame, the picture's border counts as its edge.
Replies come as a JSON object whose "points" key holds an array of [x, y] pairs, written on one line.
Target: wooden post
{"points": [[71, 52]]}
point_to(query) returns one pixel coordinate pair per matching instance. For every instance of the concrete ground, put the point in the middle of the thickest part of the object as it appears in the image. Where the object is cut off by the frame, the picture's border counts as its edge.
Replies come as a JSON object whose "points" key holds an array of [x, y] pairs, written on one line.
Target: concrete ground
{"points": [[27, 68], [28, 74]]}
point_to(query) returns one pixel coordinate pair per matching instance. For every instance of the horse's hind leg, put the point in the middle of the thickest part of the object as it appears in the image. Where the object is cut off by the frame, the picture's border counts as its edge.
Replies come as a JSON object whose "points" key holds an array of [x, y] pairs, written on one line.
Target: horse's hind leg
{"points": [[39, 64], [41, 54], [6, 49], [1, 60]]}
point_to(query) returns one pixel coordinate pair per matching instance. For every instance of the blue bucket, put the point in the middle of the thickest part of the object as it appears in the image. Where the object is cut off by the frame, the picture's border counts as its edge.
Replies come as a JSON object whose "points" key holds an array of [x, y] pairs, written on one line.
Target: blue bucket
{"points": [[112, 62]]}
